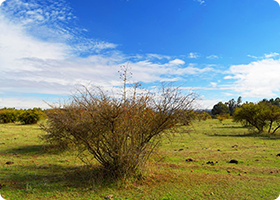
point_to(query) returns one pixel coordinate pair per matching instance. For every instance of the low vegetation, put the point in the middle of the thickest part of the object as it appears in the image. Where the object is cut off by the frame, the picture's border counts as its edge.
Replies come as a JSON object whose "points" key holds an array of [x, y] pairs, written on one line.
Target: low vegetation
{"points": [[29, 116], [193, 165]]}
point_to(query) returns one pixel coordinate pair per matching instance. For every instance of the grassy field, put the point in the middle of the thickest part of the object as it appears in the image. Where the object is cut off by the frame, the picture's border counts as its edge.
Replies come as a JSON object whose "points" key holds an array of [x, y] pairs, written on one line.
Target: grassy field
{"points": [[192, 165]]}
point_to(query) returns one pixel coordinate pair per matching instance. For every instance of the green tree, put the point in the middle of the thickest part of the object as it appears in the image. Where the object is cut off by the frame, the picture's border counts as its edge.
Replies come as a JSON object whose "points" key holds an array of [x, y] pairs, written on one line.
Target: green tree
{"points": [[219, 108], [231, 106], [8, 115], [30, 116], [272, 101], [252, 114], [239, 101], [272, 112], [258, 115], [203, 115]]}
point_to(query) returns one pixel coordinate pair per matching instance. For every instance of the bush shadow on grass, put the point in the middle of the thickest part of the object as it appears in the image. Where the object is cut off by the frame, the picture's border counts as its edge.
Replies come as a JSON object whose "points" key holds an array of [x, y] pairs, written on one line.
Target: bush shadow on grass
{"points": [[231, 127], [36, 149], [264, 136], [48, 178]]}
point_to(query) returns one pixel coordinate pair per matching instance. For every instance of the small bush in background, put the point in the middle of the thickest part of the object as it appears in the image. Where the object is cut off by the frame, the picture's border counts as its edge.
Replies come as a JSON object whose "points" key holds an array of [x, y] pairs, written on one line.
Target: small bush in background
{"points": [[203, 116], [30, 116], [8, 115], [223, 117]]}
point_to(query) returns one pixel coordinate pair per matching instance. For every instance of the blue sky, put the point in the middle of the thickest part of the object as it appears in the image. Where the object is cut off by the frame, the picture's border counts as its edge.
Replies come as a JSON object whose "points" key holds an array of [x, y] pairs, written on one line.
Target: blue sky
{"points": [[220, 49]]}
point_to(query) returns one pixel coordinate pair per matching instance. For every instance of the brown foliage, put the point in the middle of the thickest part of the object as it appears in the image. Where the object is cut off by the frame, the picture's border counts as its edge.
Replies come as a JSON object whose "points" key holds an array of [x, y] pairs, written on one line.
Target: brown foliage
{"points": [[119, 133]]}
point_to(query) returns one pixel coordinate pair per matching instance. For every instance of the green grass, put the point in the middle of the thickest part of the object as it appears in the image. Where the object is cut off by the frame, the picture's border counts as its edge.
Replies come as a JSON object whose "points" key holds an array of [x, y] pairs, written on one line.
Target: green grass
{"points": [[39, 173]]}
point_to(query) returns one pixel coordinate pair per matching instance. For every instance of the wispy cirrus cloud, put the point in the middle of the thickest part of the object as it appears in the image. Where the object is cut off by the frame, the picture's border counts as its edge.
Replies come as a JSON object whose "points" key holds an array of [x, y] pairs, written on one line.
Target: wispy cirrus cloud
{"points": [[50, 21], [212, 57], [270, 55], [252, 56], [158, 56], [214, 84], [200, 1]]}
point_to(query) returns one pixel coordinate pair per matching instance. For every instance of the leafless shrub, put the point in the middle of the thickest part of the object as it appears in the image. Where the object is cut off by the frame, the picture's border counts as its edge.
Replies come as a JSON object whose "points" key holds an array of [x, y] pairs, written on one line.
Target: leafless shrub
{"points": [[120, 133]]}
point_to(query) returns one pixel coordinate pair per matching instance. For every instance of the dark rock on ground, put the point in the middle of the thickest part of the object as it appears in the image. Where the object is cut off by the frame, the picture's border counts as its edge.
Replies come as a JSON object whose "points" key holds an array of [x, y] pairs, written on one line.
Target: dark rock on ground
{"points": [[210, 163], [233, 161], [180, 149], [189, 160]]}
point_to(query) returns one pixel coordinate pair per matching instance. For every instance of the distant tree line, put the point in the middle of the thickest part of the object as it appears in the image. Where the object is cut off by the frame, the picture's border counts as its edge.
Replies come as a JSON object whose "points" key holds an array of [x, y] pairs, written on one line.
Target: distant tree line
{"points": [[261, 115], [24, 116]]}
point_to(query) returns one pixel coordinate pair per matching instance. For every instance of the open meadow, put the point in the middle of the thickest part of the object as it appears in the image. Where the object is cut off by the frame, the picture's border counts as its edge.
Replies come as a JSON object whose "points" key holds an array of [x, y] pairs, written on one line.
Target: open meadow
{"points": [[193, 165]]}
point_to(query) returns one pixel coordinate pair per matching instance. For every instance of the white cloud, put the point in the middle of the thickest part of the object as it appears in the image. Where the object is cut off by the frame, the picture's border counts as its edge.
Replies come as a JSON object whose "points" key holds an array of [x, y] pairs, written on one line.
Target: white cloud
{"points": [[169, 79], [212, 57], [194, 70], [256, 79], [252, 56], [193, 55], [17, 47], [50, 23], [198, 88], [228, 94], [1, 1], [200, 1], [176, 62], [271, 55], [47, 64], [148, 71], [213, 84], [22, 103], [278, 1], [158, 56], [53, 76], [207, 104]]}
